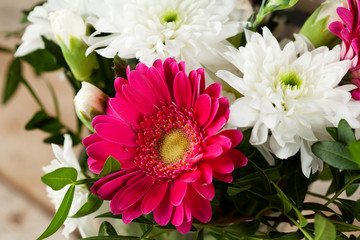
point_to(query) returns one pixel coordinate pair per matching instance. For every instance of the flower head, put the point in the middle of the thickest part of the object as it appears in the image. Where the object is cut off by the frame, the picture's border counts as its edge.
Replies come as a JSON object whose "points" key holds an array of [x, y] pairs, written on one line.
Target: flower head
{"points": [[349, 32], [162, 126], [40, 23], [290, 94], [157, 29]]}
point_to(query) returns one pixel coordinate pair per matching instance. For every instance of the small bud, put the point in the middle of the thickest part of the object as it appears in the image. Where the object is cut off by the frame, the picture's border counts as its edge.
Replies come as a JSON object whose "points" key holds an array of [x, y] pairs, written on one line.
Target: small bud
{"points": [[89, 102], [316, 26], [68, 29]]}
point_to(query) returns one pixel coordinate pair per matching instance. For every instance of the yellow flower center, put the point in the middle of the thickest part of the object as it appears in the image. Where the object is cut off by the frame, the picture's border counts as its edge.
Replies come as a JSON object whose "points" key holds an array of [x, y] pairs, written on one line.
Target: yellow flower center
{"points": [[173, 145]]}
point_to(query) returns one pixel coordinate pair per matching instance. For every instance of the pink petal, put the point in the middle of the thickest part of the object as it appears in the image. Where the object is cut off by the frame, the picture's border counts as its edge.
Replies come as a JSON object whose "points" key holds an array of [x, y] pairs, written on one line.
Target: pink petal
{"points": [[111, 184], [346, 16], [153, 197], [95, 165], [238, 158], [195, 81], [141, 68], [102, 150], [214, 90], [134, 192], [207, 191], [222, 164], [190, 176], [125, 111], [178, 190], [158, 65], [228, 178], [132, 212], [117, 133], [163, 212], [202, 109], [335, 28], [214, 109], [201, 72], [200, 207], [182, 90], [212, 151], [220, 140], [118, 83], [93, 138], [143, 84], [159, 86], [235, 135], [178, 215], [138, 100], [207, 173], [184, 227]]}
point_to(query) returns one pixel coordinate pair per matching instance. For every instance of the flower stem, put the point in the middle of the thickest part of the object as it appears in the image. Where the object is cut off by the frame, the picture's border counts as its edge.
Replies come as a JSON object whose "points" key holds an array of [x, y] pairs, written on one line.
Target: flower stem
{"points": [[342, 190]]}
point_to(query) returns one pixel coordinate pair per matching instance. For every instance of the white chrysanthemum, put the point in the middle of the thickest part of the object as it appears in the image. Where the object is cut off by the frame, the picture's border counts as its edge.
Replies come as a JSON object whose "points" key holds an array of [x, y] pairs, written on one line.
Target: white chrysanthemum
{"points": [[40, 22], [290, 95], [66, 158], [157, 29]]}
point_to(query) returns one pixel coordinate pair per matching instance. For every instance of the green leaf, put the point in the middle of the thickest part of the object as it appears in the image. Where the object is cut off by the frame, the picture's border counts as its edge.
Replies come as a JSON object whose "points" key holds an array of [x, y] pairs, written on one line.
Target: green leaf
{"points": [[44, 122], [60, 178], [345, 227], [111, 238], [352, 189], [333, 132], [263, 176], [61, 214], [345, 133], [316, 207], [232, 191], [42, 61], [111, 165], [107, 229], [12, 80], [92, 204], [335, 154], [285, 236], [354, 150], [296, 187], [352, 206], [324, 228]]}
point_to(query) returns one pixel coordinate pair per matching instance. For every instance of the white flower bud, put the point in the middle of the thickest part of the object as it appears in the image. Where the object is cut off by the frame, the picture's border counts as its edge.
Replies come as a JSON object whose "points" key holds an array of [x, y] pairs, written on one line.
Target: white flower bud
{"points": [[89, 102], [328, 9], [65, 23]]}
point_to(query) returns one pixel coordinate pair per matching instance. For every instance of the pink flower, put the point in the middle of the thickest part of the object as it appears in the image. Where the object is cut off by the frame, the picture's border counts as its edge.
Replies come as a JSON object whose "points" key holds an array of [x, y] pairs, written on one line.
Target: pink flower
{"points": [[349, 32], [162, 126]]}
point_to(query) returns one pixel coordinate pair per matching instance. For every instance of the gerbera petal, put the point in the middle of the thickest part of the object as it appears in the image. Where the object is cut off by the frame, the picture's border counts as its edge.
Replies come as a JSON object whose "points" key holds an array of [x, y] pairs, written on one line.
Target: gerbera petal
{"points": [[212, 151], [214, 90], [190, 176], [117, 133], [178, 215], [141, 82], [202, 109], [182, 90], [159, 86], [223, 141], [200, 207], [178, 190], [153, 197], [134, 192], [207, 173], [228, 178], [238, 158], [125, 111], [222, 164], [234, 135], [163, 212], [138, 100], [207, 191], [132, 212]]}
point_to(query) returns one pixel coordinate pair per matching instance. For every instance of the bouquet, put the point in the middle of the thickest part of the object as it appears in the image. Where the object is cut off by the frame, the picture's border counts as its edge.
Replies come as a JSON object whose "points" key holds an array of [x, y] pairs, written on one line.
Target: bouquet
{"points": [[204, 119]]}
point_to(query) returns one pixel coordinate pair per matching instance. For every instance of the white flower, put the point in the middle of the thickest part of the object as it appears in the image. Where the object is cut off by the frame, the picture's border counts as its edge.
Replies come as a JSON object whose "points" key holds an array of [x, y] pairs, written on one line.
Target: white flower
{"points": [[89, 102], [157, 29], [290, 94], [65, 23], [66, 158], [40, 22]]}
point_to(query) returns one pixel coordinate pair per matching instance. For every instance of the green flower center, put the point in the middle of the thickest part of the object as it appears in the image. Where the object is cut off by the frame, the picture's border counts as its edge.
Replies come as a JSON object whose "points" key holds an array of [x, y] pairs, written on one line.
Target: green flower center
{"points": [[169, 16], [290, 79]]}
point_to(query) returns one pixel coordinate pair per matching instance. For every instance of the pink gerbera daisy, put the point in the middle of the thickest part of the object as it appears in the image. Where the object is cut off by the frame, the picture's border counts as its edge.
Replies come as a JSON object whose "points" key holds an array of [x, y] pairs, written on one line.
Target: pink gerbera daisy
{"points": [[349, 32], [163, 127]]}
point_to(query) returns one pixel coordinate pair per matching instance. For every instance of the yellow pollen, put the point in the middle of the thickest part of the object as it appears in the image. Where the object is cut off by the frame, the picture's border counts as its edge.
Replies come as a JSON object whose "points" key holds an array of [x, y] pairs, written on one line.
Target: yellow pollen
{"points": [[172, 146]]}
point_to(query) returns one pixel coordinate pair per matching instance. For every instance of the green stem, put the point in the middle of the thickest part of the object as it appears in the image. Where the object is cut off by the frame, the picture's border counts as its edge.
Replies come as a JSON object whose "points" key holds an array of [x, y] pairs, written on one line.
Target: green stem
{"points": [[32, 92], [160, 233], [53, 95], [342, 190], [86, 181], [306, 234], [319, 196]]}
